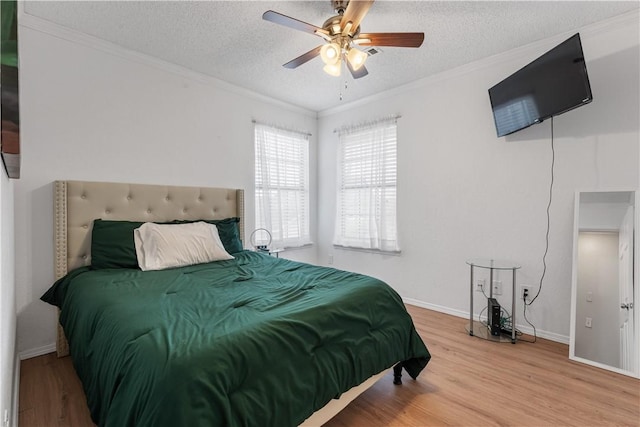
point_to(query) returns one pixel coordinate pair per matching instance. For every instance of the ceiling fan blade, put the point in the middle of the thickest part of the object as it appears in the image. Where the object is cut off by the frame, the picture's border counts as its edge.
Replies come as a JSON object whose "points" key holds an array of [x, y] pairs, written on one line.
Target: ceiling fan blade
{"points": [[294, 63], [360, 72], [390, 39], [287, 21], [356, 10]]}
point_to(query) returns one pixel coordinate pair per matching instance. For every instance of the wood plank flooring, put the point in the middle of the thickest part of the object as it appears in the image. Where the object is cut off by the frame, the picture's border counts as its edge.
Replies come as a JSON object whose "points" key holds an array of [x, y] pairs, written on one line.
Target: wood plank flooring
{"points": [[469, 382]]}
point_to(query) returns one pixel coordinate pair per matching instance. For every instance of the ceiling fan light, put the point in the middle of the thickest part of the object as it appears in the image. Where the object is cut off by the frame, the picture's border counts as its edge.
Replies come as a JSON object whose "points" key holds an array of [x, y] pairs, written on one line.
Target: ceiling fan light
{"points": [[330, 53], [333, 69], [356, 58]]}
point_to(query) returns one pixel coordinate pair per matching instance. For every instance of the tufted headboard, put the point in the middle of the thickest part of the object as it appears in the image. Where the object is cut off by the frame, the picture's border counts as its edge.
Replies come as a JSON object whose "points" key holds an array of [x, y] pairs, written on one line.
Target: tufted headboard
{"points": [[78, 203]]}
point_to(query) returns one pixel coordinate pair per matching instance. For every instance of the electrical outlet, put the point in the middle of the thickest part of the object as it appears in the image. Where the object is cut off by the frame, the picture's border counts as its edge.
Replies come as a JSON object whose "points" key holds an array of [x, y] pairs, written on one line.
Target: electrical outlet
{"points": [[497, 287], [525, 293], [330, 259], [5, 418], [587, 322], [480, 285]]}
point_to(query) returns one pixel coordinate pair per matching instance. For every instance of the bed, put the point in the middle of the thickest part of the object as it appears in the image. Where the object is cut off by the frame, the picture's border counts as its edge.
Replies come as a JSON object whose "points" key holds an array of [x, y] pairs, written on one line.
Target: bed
{"points": [[253, 340]]}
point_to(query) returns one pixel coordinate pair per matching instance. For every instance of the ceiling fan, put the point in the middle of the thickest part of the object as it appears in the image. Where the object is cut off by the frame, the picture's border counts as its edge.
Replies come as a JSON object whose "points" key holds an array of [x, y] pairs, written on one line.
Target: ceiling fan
{"points": [[343, 38]]}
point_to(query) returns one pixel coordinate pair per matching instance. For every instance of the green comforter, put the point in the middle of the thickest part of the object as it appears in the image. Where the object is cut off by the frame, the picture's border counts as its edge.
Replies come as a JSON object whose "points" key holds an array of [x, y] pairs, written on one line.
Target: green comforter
{"points": [[254, 341]]}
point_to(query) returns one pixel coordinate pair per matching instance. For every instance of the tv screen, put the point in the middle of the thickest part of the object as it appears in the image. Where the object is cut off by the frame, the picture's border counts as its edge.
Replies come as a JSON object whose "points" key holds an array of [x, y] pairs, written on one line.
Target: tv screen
{"points": [[552, 84]]}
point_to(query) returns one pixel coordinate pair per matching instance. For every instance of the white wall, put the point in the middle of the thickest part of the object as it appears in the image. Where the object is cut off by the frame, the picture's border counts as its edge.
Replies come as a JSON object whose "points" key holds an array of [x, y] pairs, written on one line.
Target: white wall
{"points": [[465, 193], [92, 111], [7, 297]]}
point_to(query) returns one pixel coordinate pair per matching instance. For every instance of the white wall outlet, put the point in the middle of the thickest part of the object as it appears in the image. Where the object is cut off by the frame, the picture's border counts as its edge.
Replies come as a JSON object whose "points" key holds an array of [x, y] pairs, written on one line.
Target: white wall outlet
{"points": [[480, 285], [525, 293], [330, 259], [497, 287], [587, 322], [589, 296]]}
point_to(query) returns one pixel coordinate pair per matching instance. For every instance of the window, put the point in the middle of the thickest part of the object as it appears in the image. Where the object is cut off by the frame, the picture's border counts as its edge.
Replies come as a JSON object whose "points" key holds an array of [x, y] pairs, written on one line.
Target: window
{"points": [[282, 185], [367, 173]]}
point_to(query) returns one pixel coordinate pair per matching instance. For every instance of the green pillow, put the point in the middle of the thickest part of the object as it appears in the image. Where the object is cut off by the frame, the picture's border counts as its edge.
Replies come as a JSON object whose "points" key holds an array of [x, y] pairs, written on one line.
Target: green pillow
{"points": [[229, 231], [112, 244]]}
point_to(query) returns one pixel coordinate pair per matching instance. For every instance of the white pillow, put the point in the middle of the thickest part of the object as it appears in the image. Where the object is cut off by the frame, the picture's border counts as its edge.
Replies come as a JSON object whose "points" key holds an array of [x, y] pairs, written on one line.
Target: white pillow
{"points": [[160, 246]]}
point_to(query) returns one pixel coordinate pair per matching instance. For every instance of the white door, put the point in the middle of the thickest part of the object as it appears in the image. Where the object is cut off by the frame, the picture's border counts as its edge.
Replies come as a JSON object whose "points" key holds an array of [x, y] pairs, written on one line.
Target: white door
{"points": [[625, 254]]}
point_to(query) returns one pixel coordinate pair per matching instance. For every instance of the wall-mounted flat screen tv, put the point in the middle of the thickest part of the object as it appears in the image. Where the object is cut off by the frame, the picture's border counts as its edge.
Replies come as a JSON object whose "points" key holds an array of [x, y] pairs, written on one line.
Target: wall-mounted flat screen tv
{"points": [[554, 83]]}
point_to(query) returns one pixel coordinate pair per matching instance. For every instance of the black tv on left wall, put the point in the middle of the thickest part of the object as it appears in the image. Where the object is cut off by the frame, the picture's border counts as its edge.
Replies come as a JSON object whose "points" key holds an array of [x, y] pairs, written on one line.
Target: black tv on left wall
{"points": [[554, 83]]}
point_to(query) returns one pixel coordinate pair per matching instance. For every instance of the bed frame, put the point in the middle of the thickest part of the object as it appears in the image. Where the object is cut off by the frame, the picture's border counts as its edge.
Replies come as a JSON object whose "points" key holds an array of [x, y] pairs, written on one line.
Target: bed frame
{"points": [[78, 203]]}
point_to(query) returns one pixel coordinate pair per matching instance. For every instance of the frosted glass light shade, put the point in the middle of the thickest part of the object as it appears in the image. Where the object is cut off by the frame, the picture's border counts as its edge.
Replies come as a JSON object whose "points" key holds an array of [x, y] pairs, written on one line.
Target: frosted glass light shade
{"points": [[333, 69], [330, 53], [356, 58]]}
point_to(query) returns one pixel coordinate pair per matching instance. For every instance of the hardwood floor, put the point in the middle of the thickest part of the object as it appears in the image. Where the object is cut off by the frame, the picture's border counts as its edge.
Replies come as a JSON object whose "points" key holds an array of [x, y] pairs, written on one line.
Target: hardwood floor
{"points": [[469, 382]]}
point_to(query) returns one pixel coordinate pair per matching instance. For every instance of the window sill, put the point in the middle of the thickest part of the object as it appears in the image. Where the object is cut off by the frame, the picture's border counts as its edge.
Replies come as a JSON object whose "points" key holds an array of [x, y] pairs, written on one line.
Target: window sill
{"points": [[371, 251], [293, 248]]}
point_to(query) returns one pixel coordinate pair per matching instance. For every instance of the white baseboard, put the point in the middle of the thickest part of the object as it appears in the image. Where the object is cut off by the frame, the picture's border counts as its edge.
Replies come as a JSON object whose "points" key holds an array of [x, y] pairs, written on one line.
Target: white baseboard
{"points": [[435, 307], [552, 336], [16, 391], [38, 351]]}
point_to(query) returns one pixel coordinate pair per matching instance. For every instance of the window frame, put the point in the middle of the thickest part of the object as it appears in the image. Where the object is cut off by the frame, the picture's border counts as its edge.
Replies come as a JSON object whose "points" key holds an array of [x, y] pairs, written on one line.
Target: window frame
{"points": [[371, 233], [284, 172]]}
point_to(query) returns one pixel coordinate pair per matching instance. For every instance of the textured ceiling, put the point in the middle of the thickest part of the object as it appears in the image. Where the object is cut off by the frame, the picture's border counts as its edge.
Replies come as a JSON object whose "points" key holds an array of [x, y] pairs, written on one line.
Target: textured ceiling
{"points": [[230, 41]]}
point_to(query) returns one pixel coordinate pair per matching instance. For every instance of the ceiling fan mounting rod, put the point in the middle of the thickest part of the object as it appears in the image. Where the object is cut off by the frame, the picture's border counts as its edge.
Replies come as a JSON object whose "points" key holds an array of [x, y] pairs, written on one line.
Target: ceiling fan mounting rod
{"points": [[339, 6]]}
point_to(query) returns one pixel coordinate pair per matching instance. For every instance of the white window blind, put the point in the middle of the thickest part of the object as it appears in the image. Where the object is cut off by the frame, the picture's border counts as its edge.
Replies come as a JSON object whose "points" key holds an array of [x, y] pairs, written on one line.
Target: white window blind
{"points": [[367, 178], [282, 185]]}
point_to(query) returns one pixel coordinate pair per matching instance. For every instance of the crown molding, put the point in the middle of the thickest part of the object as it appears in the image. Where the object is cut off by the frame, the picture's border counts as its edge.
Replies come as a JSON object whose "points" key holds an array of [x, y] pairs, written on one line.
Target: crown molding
{"points": [[523, 52], [61, 32]]}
